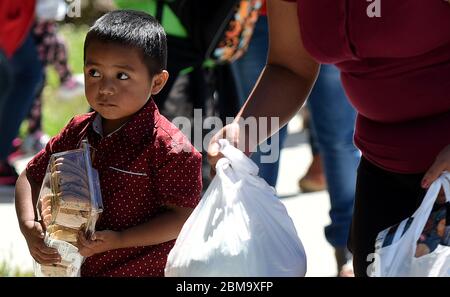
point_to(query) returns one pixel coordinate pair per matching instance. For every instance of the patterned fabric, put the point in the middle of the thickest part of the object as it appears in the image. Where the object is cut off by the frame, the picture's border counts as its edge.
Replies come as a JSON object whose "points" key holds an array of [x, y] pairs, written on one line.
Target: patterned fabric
{"points": [[143, 166], [51, 48], [35, 114], [235, 39]]}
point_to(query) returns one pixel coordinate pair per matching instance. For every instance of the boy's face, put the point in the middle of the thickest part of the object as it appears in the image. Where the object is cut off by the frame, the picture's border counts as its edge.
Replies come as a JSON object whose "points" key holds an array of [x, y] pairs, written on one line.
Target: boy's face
{"points": [[117, 81]]}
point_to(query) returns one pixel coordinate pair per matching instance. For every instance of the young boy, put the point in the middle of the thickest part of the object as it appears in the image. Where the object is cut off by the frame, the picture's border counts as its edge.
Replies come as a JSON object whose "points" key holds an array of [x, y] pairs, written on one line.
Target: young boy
{"points": [[150, 174]]}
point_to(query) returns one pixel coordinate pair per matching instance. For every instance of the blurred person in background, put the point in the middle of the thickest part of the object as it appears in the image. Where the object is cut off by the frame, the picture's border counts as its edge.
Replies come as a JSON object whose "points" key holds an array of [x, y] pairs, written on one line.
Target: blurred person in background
{"points": [[332, 121], [314, 178], [24, 74], [52, 51]]}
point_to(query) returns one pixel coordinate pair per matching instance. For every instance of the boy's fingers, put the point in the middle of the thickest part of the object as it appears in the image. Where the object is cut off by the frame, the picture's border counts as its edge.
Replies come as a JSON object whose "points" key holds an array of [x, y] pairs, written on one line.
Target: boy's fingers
{"points": [[99, 236], [45, 260], [43, 249], [85, 247], [43, 226], [38, 230], [37, 257], [82, 239], [47, 210], [86, 242], [47, 218], [46, 255], [48, 259]]}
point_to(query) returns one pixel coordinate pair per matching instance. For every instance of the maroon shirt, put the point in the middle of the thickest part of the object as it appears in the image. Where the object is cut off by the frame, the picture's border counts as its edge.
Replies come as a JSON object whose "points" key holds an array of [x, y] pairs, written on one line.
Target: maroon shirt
{"points": [[395, 70], [144, 165]]}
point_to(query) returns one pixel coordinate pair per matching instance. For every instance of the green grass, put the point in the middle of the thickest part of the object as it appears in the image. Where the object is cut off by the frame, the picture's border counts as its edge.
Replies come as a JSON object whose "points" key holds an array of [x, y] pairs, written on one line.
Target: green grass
{"points": [[7, 270], [56, 113]]}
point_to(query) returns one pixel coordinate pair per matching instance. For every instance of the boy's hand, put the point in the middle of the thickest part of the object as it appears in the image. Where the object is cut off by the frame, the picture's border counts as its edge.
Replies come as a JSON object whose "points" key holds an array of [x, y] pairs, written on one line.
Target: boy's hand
{"points": [[441, 163], [100, 241], [34, 235], [46, 210]]}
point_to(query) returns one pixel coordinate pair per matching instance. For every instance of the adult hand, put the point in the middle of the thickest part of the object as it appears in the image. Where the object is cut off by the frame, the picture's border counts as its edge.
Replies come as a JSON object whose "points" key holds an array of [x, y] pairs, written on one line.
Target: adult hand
{"points": [[100, 241], [441, 163], [229, 132], [34, 236]]}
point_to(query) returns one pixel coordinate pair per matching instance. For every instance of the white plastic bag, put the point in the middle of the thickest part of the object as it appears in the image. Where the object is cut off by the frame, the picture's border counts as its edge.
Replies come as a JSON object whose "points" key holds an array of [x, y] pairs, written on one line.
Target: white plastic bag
{"points": [[239, 228], [398, 258]]}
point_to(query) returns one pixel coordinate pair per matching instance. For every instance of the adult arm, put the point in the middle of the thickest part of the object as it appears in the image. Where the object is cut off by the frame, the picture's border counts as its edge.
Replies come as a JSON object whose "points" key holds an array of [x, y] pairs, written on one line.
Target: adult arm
{"points": [[283, 85]]}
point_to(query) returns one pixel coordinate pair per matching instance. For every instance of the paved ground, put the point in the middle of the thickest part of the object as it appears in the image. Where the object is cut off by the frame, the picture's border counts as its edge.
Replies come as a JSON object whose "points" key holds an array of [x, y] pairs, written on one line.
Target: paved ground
{"points": [[308, 211]]}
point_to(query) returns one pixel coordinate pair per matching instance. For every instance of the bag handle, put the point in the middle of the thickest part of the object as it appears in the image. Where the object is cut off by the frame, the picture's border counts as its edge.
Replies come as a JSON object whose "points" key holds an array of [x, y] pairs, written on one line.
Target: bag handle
{"points": [[237, 158], [422, 213], [446, 185]]}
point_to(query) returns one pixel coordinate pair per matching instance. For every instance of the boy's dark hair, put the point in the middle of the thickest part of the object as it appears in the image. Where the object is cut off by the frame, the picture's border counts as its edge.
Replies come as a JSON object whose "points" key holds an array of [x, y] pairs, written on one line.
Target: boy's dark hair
{"points": [[134, 29]]}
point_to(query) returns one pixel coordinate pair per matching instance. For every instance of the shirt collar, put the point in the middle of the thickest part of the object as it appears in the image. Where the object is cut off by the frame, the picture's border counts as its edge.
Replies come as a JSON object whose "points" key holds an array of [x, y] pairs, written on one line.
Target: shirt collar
{"points": [[97, 124], [142, 123], [138, 127]]}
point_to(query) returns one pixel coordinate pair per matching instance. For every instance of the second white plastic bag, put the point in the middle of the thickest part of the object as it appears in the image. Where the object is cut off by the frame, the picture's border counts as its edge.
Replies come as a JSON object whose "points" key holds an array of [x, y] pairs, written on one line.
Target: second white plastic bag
{"points": [[239, 228], [395, 247]]}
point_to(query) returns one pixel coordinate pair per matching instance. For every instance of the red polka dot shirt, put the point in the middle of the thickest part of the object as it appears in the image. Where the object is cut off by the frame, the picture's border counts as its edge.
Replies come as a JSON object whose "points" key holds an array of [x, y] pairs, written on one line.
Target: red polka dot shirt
{"points": [[144, 165]]}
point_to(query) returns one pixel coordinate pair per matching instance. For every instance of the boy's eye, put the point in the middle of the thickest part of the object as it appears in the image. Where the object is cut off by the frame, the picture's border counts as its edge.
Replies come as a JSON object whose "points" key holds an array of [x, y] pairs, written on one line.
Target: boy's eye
{"points": [[94, 73], [122, 76]]}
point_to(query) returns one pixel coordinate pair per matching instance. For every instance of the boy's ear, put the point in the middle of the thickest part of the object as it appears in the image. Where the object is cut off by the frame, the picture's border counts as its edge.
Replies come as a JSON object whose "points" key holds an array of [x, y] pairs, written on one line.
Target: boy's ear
{"points": [[159, 80]]}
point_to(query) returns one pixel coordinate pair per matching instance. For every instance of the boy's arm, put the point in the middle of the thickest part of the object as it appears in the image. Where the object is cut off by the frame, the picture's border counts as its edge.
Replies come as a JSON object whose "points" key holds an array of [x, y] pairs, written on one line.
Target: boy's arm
{"points": [[26, 195], [163, 227], [26, 188], [179, 195]]}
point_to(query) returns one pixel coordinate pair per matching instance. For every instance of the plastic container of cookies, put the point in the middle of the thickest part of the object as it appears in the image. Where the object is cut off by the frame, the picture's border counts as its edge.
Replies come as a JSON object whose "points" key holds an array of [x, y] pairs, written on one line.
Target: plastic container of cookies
{"points": [[70, 201]]}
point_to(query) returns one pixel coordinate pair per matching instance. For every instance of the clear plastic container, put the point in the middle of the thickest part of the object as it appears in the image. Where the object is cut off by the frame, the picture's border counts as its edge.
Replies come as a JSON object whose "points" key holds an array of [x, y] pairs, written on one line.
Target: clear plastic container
{"points": [[69, 201]]}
